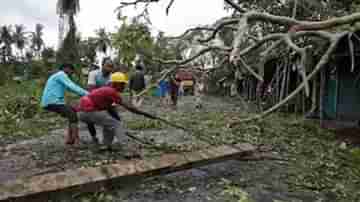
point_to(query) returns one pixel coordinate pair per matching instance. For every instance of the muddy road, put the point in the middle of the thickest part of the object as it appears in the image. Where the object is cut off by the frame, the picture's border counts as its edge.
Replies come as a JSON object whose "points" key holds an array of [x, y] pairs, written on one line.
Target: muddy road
{"points": [[247, 181]]}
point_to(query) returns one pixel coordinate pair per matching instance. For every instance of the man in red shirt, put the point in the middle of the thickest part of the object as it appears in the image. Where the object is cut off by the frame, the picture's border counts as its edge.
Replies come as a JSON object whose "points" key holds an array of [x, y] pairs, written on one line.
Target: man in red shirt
{"points": [[94, 107]]}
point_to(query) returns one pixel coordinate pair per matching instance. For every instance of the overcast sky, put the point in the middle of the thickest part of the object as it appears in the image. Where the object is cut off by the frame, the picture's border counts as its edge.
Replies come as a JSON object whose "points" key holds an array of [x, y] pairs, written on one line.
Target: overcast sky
{"points": [[100, 13]]}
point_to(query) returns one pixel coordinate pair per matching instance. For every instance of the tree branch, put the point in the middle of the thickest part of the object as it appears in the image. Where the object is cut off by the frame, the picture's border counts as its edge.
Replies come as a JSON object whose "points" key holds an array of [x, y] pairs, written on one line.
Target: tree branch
{"points": [[191, 30], [135, 2], [351, 52], [248, 68], [218, 28], [259, 43], [169, 6], [302, 25], [242, 30], [294, 9], [323, 61], [302, 53], [235, 6], [201, 52], [178, 64]]}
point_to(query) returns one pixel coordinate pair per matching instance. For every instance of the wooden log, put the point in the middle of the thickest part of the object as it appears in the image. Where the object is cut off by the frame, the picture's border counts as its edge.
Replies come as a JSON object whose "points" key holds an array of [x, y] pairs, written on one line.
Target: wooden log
{"points": [[45, 187]]}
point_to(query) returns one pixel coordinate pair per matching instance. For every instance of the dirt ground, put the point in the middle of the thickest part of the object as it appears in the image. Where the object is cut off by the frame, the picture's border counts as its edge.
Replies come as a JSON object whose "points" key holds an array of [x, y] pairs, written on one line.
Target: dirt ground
{"points": [[246, 181]]}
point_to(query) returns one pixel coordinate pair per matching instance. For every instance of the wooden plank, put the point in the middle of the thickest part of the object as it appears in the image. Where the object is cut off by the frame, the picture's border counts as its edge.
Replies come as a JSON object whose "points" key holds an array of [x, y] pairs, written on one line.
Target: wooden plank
{"points": [[87, 179]]}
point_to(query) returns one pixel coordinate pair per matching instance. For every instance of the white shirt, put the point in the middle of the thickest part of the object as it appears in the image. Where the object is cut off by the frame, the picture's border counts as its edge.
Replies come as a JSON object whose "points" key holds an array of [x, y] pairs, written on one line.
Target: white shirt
{"points": [[97, 78]]}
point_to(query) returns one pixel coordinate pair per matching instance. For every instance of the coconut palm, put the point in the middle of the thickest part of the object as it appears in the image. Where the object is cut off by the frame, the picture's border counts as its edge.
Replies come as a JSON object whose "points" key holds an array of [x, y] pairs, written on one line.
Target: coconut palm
{"points": [[7, 40], [68, 9], [20, 38], [103, 41], [87, 49], [37, 41]]}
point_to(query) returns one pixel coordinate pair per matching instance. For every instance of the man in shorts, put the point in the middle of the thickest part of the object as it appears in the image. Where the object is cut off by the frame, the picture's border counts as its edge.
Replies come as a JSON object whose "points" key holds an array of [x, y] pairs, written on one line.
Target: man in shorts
{"points": [[53, 100]]}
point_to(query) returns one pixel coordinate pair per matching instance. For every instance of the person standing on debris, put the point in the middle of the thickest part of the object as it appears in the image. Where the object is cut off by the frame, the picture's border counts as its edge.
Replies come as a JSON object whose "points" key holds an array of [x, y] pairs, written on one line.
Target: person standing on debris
{"points": [[136, 85], [198, 92], [53, 100], [93, 108], [100, 77], [164, 91], [174, 90], [181, 89]]}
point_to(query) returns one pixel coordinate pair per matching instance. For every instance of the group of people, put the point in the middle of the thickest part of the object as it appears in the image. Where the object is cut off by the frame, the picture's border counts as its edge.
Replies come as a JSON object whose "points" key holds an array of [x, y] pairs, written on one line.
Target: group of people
{"points": [[169, 90], [172, 88], [97, 104]]}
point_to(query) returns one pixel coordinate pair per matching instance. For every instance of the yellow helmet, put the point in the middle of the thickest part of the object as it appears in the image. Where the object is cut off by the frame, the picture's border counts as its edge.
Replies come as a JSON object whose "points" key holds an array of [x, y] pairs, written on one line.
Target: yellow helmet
{"points": [[119, 77]]}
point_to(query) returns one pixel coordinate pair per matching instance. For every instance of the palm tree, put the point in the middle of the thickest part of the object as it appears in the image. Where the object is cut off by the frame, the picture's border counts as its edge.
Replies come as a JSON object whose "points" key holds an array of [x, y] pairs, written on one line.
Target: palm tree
{"points": [[37, 41], [103, 41], [20, 38], [87, 49], [7, 40], [48, 54], [68, 9]]}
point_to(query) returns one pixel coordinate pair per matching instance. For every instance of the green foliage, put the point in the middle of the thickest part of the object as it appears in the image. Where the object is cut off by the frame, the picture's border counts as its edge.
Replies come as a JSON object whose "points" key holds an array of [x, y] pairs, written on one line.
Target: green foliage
{"points": [[132, 39], [102, 41], [48, 55], [6, 39], [19, 37], [20, 112], [317, 162], [37, 41], [87, 49], [234, 192]]}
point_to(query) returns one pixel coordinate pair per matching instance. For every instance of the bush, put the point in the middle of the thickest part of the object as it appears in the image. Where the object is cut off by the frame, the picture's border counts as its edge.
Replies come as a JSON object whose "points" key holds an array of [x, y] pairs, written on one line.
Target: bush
{"points": [[6, 74]]}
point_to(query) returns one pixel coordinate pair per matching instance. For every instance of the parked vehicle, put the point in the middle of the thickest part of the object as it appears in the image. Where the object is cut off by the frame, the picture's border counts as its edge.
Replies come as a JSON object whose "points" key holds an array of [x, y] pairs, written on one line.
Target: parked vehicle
{"points": [[187, 80]]}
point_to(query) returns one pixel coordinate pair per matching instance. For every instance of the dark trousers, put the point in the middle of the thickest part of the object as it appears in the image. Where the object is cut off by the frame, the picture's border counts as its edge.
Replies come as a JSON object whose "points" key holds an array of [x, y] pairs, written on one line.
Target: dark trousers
{"points": [[91, 126], [65, 111]]}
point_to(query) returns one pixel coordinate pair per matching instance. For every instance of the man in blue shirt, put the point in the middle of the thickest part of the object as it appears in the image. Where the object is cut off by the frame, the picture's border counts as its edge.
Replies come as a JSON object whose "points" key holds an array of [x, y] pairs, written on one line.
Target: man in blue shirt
{"points": [[100, 77], [53, 100]]}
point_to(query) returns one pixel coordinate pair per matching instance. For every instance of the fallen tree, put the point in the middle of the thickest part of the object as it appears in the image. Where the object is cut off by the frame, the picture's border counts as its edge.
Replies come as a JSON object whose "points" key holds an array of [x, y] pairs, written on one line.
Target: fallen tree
{"points": [[288, 34]]}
